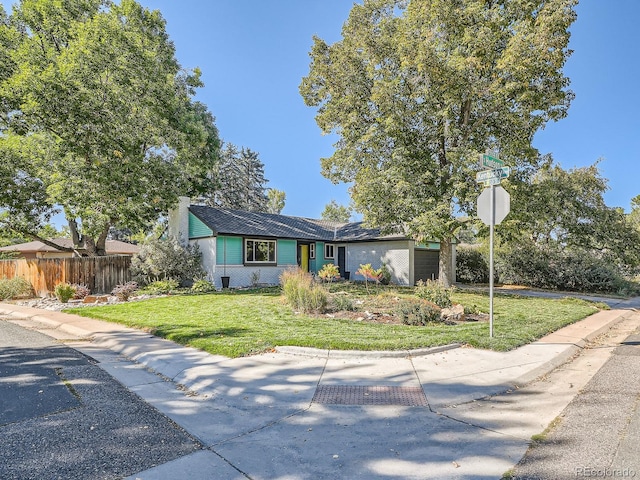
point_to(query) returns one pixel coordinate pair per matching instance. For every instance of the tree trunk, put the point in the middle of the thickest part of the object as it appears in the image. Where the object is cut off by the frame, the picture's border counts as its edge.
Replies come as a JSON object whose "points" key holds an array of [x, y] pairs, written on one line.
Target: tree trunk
{"points": [[48, 242], [92, 247], [73, 228], [445, 267], [101, 243]]}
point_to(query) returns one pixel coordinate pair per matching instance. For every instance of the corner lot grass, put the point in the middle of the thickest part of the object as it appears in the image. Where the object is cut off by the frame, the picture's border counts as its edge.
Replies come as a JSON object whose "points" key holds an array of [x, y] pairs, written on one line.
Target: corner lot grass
{"points": [[247, 322]]}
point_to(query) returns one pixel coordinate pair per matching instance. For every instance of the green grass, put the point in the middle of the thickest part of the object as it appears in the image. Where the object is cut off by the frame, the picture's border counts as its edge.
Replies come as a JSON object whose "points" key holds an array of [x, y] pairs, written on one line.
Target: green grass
{"points": [[247, 322]]}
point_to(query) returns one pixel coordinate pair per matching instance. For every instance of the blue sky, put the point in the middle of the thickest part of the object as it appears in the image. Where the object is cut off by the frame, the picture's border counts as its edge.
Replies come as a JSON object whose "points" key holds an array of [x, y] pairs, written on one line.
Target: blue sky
{"points": [[253, 54]]}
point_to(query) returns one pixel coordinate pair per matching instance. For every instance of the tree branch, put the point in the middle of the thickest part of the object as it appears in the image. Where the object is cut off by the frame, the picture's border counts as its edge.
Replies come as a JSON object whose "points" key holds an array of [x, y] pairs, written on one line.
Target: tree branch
{"points": [[47, 242]]}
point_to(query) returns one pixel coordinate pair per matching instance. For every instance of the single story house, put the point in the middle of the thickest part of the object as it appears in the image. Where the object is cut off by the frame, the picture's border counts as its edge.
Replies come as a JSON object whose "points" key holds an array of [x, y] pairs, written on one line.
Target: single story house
{"points": [[37, 249], [247, 247]]}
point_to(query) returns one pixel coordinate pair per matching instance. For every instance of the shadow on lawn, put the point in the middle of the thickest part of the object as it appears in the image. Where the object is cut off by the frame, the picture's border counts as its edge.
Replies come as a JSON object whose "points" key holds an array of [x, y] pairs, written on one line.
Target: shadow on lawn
{"points": [[185, 335]]}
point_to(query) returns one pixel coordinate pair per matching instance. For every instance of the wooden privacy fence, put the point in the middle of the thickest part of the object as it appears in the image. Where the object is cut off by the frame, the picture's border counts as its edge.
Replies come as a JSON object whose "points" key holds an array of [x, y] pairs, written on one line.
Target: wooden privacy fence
{"points": [[100, 274]]}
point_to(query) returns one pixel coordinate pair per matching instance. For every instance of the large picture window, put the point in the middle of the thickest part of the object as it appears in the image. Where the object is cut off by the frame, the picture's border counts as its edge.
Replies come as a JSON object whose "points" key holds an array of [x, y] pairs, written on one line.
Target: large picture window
{"points": [[259, 251]]}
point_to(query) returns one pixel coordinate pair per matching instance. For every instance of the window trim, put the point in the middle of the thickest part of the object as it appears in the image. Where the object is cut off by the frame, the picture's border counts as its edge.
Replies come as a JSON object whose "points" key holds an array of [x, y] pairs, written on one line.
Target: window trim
{"points": [[333, 251], [312, 251], [260, 262]]}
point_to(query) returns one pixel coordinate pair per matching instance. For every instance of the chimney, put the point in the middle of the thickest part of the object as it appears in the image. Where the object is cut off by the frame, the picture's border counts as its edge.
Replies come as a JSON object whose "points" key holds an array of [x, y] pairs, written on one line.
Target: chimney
{"points": [[179, 221]]}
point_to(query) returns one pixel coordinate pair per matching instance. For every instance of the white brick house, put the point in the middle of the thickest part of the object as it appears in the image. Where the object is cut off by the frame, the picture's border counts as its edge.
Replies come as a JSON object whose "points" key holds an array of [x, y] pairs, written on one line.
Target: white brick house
{"points": [[241, 246]]}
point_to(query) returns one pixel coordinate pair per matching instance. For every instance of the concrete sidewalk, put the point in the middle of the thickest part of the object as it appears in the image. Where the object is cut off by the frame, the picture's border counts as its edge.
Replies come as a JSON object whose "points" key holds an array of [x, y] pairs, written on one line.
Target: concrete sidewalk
{"points": [[309, 414]]}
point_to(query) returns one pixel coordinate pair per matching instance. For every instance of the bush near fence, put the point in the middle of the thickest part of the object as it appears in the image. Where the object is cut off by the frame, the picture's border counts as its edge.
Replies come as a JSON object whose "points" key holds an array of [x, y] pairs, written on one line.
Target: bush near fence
{"points": [[100, 274]]}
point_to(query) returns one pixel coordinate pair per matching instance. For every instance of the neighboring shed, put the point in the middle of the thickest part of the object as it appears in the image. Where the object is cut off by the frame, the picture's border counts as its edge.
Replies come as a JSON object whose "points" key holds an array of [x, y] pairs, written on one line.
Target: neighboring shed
{"points": [[248, 247]]}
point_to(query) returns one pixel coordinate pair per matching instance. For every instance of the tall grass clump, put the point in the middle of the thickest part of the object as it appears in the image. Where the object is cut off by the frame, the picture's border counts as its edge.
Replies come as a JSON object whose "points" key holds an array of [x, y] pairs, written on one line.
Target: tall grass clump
{"points": [[14, 287], [302, 293]]}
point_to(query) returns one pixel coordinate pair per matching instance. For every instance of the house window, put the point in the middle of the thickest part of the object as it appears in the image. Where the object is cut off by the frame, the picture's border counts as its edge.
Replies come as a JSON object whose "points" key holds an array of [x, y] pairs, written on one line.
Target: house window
{"points": [[259, 251], [328, 250], [312, 250]]}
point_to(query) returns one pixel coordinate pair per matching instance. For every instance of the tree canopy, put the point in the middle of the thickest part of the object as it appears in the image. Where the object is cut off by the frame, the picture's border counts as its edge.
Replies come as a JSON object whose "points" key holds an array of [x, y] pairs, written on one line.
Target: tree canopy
{"points": [[97, 117], [276, 200], [558, 208], [334, 212], [416, 89]]}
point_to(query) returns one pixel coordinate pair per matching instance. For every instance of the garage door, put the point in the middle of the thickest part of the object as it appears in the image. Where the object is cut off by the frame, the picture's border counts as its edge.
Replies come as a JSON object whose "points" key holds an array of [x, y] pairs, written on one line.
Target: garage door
{"points": [[425, 264]]}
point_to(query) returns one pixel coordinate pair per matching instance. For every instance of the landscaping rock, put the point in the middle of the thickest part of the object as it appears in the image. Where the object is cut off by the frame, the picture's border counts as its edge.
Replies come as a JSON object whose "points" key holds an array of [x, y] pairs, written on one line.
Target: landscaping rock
{"points": [[96, 299], [453, 314]]}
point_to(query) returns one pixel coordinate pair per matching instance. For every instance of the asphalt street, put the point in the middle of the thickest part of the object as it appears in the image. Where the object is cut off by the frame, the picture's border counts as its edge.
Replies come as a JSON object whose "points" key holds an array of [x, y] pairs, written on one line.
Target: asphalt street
{"points": [[62, 417], [597, 435]]}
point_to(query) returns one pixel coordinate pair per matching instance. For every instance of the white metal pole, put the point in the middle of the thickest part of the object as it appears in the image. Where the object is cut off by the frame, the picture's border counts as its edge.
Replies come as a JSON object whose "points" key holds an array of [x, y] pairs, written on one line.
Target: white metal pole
{"points": [[493, 222]]}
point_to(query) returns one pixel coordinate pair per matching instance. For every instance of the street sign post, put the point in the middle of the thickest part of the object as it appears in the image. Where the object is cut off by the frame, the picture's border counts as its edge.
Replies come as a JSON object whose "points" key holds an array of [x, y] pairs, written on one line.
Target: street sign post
{"points": [[494, 204]]}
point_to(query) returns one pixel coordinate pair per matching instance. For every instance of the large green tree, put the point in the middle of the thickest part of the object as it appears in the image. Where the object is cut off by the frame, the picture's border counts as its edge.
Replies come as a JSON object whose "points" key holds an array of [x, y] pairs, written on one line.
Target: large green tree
{"points": [[97, 119], [565, 209], [417, 89], [634, 215]]}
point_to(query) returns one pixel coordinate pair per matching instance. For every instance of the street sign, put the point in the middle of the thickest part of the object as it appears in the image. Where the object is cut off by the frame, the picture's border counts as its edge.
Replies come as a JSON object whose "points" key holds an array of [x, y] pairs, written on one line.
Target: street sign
{"points": [[501, 205], [491, 181], [489, 161], [499, 173]]}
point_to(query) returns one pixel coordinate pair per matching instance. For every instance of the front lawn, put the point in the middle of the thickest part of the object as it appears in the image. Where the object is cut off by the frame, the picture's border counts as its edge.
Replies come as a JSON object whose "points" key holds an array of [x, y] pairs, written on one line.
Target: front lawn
{"points": [[237, 323]]}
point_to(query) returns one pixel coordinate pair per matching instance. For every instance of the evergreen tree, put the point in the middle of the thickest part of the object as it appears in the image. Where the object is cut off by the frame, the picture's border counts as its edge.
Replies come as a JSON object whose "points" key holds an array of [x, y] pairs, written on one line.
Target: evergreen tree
{"points": [[241, 181]]}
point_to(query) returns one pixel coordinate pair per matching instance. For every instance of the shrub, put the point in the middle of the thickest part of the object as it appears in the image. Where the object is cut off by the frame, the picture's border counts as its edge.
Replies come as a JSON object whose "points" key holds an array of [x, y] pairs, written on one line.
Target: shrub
{"points": [[369, 273], [202, 286], [554, 268], [418, 312], [64, 292], [14, 287], [81, 291], [255, 278], [435, 292], [385, 273], [471, 266], [329, 272], [341, 302], [167, 260], [528, 264], [123, 292], [301, 292], [160, 287]]}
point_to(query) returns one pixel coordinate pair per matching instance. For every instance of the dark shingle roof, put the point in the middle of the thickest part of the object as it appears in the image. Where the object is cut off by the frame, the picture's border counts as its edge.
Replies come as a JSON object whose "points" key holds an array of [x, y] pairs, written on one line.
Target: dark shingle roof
{"points": [[238, 222]]}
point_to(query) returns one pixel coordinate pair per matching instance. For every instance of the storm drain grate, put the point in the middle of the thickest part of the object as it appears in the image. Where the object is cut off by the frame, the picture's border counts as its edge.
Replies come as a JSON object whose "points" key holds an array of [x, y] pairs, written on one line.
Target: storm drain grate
{"points": [[370, 395]]}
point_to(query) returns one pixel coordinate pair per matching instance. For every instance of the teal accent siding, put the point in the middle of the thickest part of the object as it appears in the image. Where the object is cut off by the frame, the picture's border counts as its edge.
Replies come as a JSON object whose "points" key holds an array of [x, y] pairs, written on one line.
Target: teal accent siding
{"points": [[197, 229], [319, 254], [233, 253], [286, 252], [314, 262], [429, 245]]}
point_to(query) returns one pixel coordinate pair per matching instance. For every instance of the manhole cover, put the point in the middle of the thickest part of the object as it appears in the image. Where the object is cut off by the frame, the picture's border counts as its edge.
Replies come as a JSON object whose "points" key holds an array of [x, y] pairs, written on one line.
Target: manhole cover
{"points": [[370, 395]]}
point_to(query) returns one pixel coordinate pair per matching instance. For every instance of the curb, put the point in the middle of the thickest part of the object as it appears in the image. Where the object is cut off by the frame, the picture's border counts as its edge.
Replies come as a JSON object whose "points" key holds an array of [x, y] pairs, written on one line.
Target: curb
{"points": [[324, 353], [609, 319]]}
